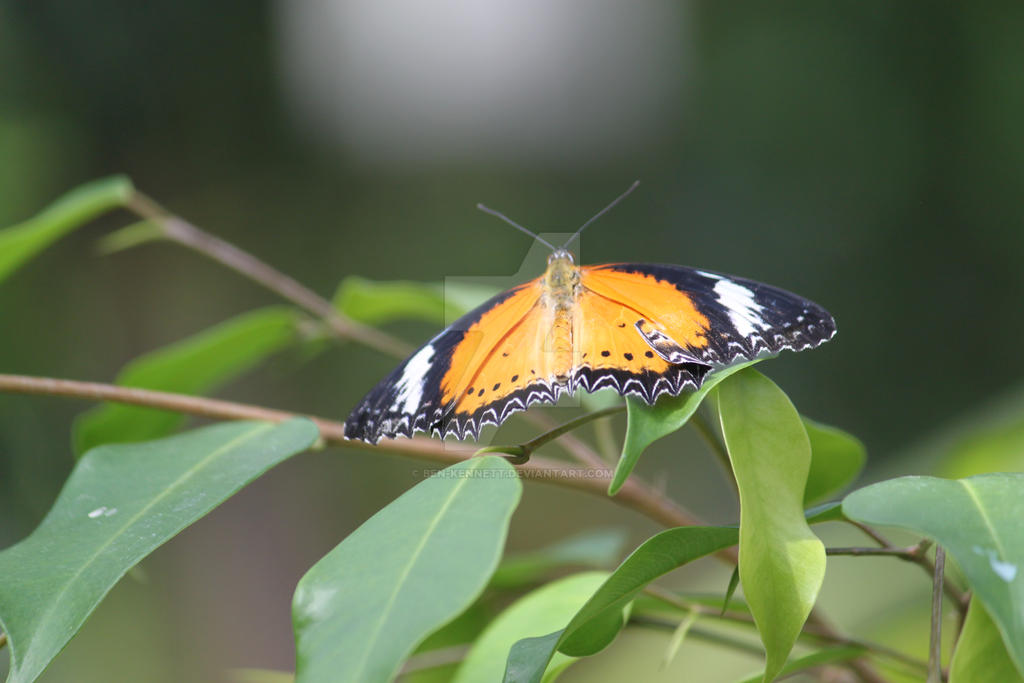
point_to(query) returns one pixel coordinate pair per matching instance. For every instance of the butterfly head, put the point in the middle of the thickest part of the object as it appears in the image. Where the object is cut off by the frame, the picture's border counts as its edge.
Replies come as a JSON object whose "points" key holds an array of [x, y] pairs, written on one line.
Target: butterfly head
{"points": [[561, 255], [562, 271]]}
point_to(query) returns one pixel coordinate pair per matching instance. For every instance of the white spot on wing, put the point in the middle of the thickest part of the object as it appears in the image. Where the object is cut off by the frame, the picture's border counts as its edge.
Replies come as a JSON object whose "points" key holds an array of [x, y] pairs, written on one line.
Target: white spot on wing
{"points": [[102, 511], [409, 390], [743, 309]]}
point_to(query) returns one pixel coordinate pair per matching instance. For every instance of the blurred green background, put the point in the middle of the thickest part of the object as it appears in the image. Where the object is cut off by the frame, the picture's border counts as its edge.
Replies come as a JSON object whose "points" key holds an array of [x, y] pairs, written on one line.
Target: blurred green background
{"points": [[868, 155]]}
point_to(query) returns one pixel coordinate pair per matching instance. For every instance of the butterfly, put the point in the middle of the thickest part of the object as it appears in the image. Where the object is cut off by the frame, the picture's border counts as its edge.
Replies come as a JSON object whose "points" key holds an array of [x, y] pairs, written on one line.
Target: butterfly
{"points": [[644, 330]]}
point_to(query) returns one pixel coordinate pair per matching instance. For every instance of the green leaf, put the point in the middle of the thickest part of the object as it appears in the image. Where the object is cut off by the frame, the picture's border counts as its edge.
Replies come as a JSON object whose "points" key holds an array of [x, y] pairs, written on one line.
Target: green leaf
{"points": [[837, 458], [531, 657], [404, 573], [374, 303], [826, 512], [730, 590], [820, 658], [196, 365], [544, 609], [646, 424], [678, 636], [980, 655], [658, 555], [21, 242], [782, 562], [977, 520], [592, 549], [130, 236], [119, 504]]}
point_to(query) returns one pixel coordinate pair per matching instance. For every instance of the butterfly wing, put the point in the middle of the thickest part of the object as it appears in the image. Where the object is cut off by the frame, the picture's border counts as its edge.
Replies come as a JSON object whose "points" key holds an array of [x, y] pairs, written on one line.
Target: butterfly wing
{"points": [[653, 329], [640, 329], [441, 389]]}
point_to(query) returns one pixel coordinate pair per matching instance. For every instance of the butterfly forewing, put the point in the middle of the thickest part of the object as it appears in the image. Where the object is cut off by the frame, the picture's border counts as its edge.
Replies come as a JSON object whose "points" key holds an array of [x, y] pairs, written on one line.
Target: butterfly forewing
{"points": [[721, 319]]}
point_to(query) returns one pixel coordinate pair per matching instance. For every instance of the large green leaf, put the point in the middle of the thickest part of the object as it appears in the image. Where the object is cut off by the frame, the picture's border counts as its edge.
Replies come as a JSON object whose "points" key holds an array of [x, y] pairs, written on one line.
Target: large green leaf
{"points": [[782, 562], [595, 549], [977, 520], [547, 608], [836, 460], [980, 655], [195, 365], [119, 504], [588, 631], [21, 242], [646, 424], [373, 303], [405, 572]]}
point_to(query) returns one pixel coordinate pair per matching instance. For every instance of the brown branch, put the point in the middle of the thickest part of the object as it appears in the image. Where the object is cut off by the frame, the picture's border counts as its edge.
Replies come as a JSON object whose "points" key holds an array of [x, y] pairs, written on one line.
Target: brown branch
{"points": [[935, 643], [915, 554], [571, 444], [634, 495], [901, 553], [181, 231], [871, 533]]}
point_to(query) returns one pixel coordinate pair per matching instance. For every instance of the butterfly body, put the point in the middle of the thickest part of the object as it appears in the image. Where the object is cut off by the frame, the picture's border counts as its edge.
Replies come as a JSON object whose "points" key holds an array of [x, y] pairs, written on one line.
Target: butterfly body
{"points": [[641, 329]]}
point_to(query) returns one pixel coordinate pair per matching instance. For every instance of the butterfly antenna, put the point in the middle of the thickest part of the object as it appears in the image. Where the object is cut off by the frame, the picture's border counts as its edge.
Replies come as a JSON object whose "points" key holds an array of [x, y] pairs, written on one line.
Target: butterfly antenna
{"points": [[602, 212], [515, 225]]}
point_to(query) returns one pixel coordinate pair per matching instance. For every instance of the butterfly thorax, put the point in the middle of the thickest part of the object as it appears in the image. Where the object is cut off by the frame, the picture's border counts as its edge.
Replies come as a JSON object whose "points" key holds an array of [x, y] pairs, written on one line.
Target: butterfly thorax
{"points": [[561, 285]]}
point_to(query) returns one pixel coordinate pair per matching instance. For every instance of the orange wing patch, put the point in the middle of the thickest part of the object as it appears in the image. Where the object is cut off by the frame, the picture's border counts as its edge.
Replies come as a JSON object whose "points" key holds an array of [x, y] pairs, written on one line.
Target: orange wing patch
{"points": [[608, 338], [489, 343], [644, 296], [516, 363]]}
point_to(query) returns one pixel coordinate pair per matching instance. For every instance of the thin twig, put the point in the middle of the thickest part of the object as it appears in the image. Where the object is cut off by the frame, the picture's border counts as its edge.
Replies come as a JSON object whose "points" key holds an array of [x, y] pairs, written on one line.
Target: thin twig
{"points": [[575, 447], [181, 231], [634, 495], [916, 554], [935, 646], [871, 533], [902, 553], [521, 452]]}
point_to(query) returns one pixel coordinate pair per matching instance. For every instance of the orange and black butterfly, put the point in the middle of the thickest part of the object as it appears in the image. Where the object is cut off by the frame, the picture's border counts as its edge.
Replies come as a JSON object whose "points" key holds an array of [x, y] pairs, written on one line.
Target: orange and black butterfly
{"points": [[641, 329]]}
